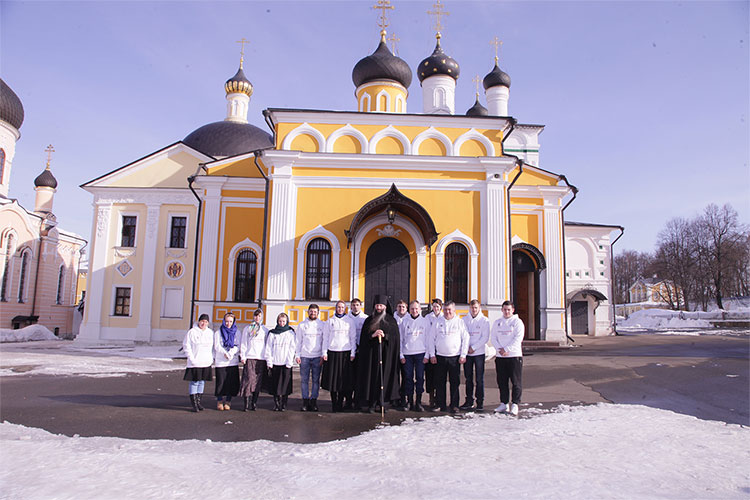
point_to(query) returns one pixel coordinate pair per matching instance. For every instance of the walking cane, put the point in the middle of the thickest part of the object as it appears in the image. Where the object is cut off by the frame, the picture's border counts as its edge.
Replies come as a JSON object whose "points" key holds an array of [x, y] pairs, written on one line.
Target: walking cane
{"points": [[382, 396]]}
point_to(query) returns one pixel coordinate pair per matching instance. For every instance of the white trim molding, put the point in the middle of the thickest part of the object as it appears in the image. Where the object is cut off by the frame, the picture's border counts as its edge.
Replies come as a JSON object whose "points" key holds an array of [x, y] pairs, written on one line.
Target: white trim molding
{"points": [[318, 232], [304, 129], [346, 130], [231, 264], [390, 131], [473, 135], [457, 236], [432, 133]]}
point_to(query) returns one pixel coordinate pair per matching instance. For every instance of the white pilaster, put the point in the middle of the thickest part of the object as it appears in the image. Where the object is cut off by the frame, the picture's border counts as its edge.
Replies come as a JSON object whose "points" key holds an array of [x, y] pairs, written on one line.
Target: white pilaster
{"points": [[421, 266], [495, 252], [209, 243], [90, 329], [439, 95], [553, 254], [497, 100], [281, 234], [146, 292]]}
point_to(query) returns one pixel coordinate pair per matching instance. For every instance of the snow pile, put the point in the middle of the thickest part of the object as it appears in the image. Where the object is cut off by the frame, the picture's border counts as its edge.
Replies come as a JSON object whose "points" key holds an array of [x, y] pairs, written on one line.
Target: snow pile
{"points": [[26, 334], [582, 452], [664, 318]]}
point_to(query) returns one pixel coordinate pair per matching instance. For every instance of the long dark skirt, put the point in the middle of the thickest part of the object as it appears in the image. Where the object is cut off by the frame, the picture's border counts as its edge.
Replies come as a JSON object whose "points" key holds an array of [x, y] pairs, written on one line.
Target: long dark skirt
{"points": [[279, 383], [196, 374], [338, 372], [227, 381], [252, 377]]}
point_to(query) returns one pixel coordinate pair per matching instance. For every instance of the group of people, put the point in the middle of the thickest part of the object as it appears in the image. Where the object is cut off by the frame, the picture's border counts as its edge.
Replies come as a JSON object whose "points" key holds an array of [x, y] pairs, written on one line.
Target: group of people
{"points": [[365, 362]]}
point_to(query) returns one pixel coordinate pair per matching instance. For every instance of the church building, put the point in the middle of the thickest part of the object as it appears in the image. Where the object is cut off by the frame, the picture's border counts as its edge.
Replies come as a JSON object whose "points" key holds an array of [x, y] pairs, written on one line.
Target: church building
{"points": [[332, 205]]}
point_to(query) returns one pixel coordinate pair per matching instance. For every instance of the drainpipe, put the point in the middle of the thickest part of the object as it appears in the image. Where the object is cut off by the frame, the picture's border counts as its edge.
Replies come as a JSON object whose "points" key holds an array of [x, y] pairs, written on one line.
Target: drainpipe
{"points": [[565, 259], [265, 228], [36, 275], [510, 233], [191, 179], [612, 279]]}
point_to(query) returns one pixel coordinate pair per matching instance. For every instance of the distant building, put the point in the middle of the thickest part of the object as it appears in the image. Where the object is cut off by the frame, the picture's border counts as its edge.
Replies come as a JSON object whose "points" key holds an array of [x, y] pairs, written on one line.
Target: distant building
{"points": [[652, 293], [38, 260], [588, 273]]}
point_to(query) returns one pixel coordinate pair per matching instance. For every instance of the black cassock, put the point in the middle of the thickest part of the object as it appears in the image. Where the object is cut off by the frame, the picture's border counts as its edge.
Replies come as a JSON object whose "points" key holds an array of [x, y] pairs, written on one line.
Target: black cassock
{"points": [[368, 367]]}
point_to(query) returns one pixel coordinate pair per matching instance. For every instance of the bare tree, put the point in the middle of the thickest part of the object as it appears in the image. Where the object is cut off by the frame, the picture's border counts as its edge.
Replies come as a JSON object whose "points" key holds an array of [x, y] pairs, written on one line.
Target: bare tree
{"points": [[723, 234], [674, 259], [629, 266]]}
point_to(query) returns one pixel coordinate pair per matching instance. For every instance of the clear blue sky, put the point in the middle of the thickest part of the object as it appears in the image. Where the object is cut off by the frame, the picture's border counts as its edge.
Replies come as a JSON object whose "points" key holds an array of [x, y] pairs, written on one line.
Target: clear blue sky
{"points": [[645, 103]]}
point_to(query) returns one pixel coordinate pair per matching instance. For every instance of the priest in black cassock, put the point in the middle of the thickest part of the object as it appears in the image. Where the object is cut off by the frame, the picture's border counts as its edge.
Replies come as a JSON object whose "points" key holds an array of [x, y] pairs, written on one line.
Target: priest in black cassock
{"points": [[380, 324]]}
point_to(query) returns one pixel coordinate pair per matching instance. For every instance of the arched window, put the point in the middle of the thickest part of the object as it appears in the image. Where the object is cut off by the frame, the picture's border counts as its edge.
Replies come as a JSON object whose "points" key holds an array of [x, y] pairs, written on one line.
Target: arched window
{"points": [[456, 273], [244, 276], [60, 282], [6, 269], [318, 270], [2, 164], [22, 278]]}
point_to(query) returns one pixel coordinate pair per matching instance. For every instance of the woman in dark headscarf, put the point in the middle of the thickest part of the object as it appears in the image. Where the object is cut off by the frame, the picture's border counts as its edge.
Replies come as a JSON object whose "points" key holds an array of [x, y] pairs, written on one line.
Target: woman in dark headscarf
{"points": [[280, 351], [226, 361]]}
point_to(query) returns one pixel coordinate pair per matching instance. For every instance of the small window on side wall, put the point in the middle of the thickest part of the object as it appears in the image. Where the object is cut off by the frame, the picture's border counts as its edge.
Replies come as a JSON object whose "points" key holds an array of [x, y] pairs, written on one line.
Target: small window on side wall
{"points": [[177, 232], [122, 301], [318, 270], [128, 230]]}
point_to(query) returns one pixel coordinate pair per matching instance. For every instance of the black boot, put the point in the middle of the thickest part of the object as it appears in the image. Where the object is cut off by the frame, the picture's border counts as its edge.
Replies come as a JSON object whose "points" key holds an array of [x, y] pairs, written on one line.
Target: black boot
{"points": [[418, 403], [194, 403], [284, 399], [198, 401], [254, 401], [305, 405], [468, 404], [334, 402], [410, 403], [247, 404], [314, 404], [277, 403], [480, 405], [340, 401]]}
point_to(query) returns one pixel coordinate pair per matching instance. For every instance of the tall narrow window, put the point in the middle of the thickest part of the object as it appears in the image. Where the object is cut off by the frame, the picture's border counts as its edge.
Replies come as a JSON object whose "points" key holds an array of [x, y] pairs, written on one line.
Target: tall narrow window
{"points": [[60, 283], [122, 301], [318, 270], [22, 277], [2, 165], [456, 273], [244, 281], [177, 232], [128, 230], [6, 269]]}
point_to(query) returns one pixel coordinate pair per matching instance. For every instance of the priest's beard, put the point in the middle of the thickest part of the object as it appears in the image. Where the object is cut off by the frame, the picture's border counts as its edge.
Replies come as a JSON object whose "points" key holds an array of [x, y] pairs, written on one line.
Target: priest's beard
{"points": [[377, 321]]}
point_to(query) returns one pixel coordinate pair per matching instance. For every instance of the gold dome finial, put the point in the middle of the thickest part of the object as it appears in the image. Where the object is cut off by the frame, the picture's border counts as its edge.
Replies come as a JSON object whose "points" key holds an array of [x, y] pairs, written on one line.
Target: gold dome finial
{"points": [[497, 43], [394, 40], [438, 13], [242, 50], [383, 6], [477, 80], [50, 149]]}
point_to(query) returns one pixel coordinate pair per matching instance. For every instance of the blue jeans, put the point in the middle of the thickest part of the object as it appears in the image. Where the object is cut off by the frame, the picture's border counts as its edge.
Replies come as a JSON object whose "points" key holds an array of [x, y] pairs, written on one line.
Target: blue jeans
{"points": [[414, 365], [307, 367], [197, 387]]}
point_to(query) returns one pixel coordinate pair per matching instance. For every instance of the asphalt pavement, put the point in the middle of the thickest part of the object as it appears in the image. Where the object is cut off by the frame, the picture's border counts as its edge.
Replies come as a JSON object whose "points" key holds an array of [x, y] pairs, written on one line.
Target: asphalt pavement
{"points": [[703, 376]]}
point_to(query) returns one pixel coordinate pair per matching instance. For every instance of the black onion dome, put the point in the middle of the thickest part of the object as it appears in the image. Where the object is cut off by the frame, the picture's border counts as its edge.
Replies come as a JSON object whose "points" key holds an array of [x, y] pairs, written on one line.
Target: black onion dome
{"points": [[477, 110], [496, 77], [11, 109], [381, 65], [46, 179], [239, 83], [228, 138], [439, 63]]}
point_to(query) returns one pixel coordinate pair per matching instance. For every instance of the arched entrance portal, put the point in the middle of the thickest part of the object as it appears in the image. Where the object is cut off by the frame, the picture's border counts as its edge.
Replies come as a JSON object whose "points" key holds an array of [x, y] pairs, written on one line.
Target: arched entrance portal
{"points": [[527, 263], [386, 271]]}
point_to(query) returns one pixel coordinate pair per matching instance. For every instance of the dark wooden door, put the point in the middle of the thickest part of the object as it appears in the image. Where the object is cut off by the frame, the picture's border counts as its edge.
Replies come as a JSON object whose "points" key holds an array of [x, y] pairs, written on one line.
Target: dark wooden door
{"points": [[521, 301], [386, 271], [579, 317]]}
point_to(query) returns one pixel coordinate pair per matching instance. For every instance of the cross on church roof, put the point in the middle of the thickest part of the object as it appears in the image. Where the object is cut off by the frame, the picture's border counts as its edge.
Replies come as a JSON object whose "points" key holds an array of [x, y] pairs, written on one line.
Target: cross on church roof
{"points": [[242, 50], [383, 6], [394, 39], [50, 149], [477, 81], [438, 12], [497, 43]]}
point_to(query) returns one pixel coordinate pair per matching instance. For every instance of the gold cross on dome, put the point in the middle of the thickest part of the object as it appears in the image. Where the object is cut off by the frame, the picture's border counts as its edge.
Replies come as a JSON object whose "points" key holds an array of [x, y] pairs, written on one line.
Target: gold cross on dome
{"points": [[477, 81], [50, 149], [242, 49], [497, 43], [383, 6], [438, 12], [394, 40]]}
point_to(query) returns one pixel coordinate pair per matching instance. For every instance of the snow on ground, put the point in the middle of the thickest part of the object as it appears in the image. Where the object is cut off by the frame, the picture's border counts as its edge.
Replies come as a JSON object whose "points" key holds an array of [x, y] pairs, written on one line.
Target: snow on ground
{"points": [[69, 358], [668, 322], [603, 451], [26, 334]]}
